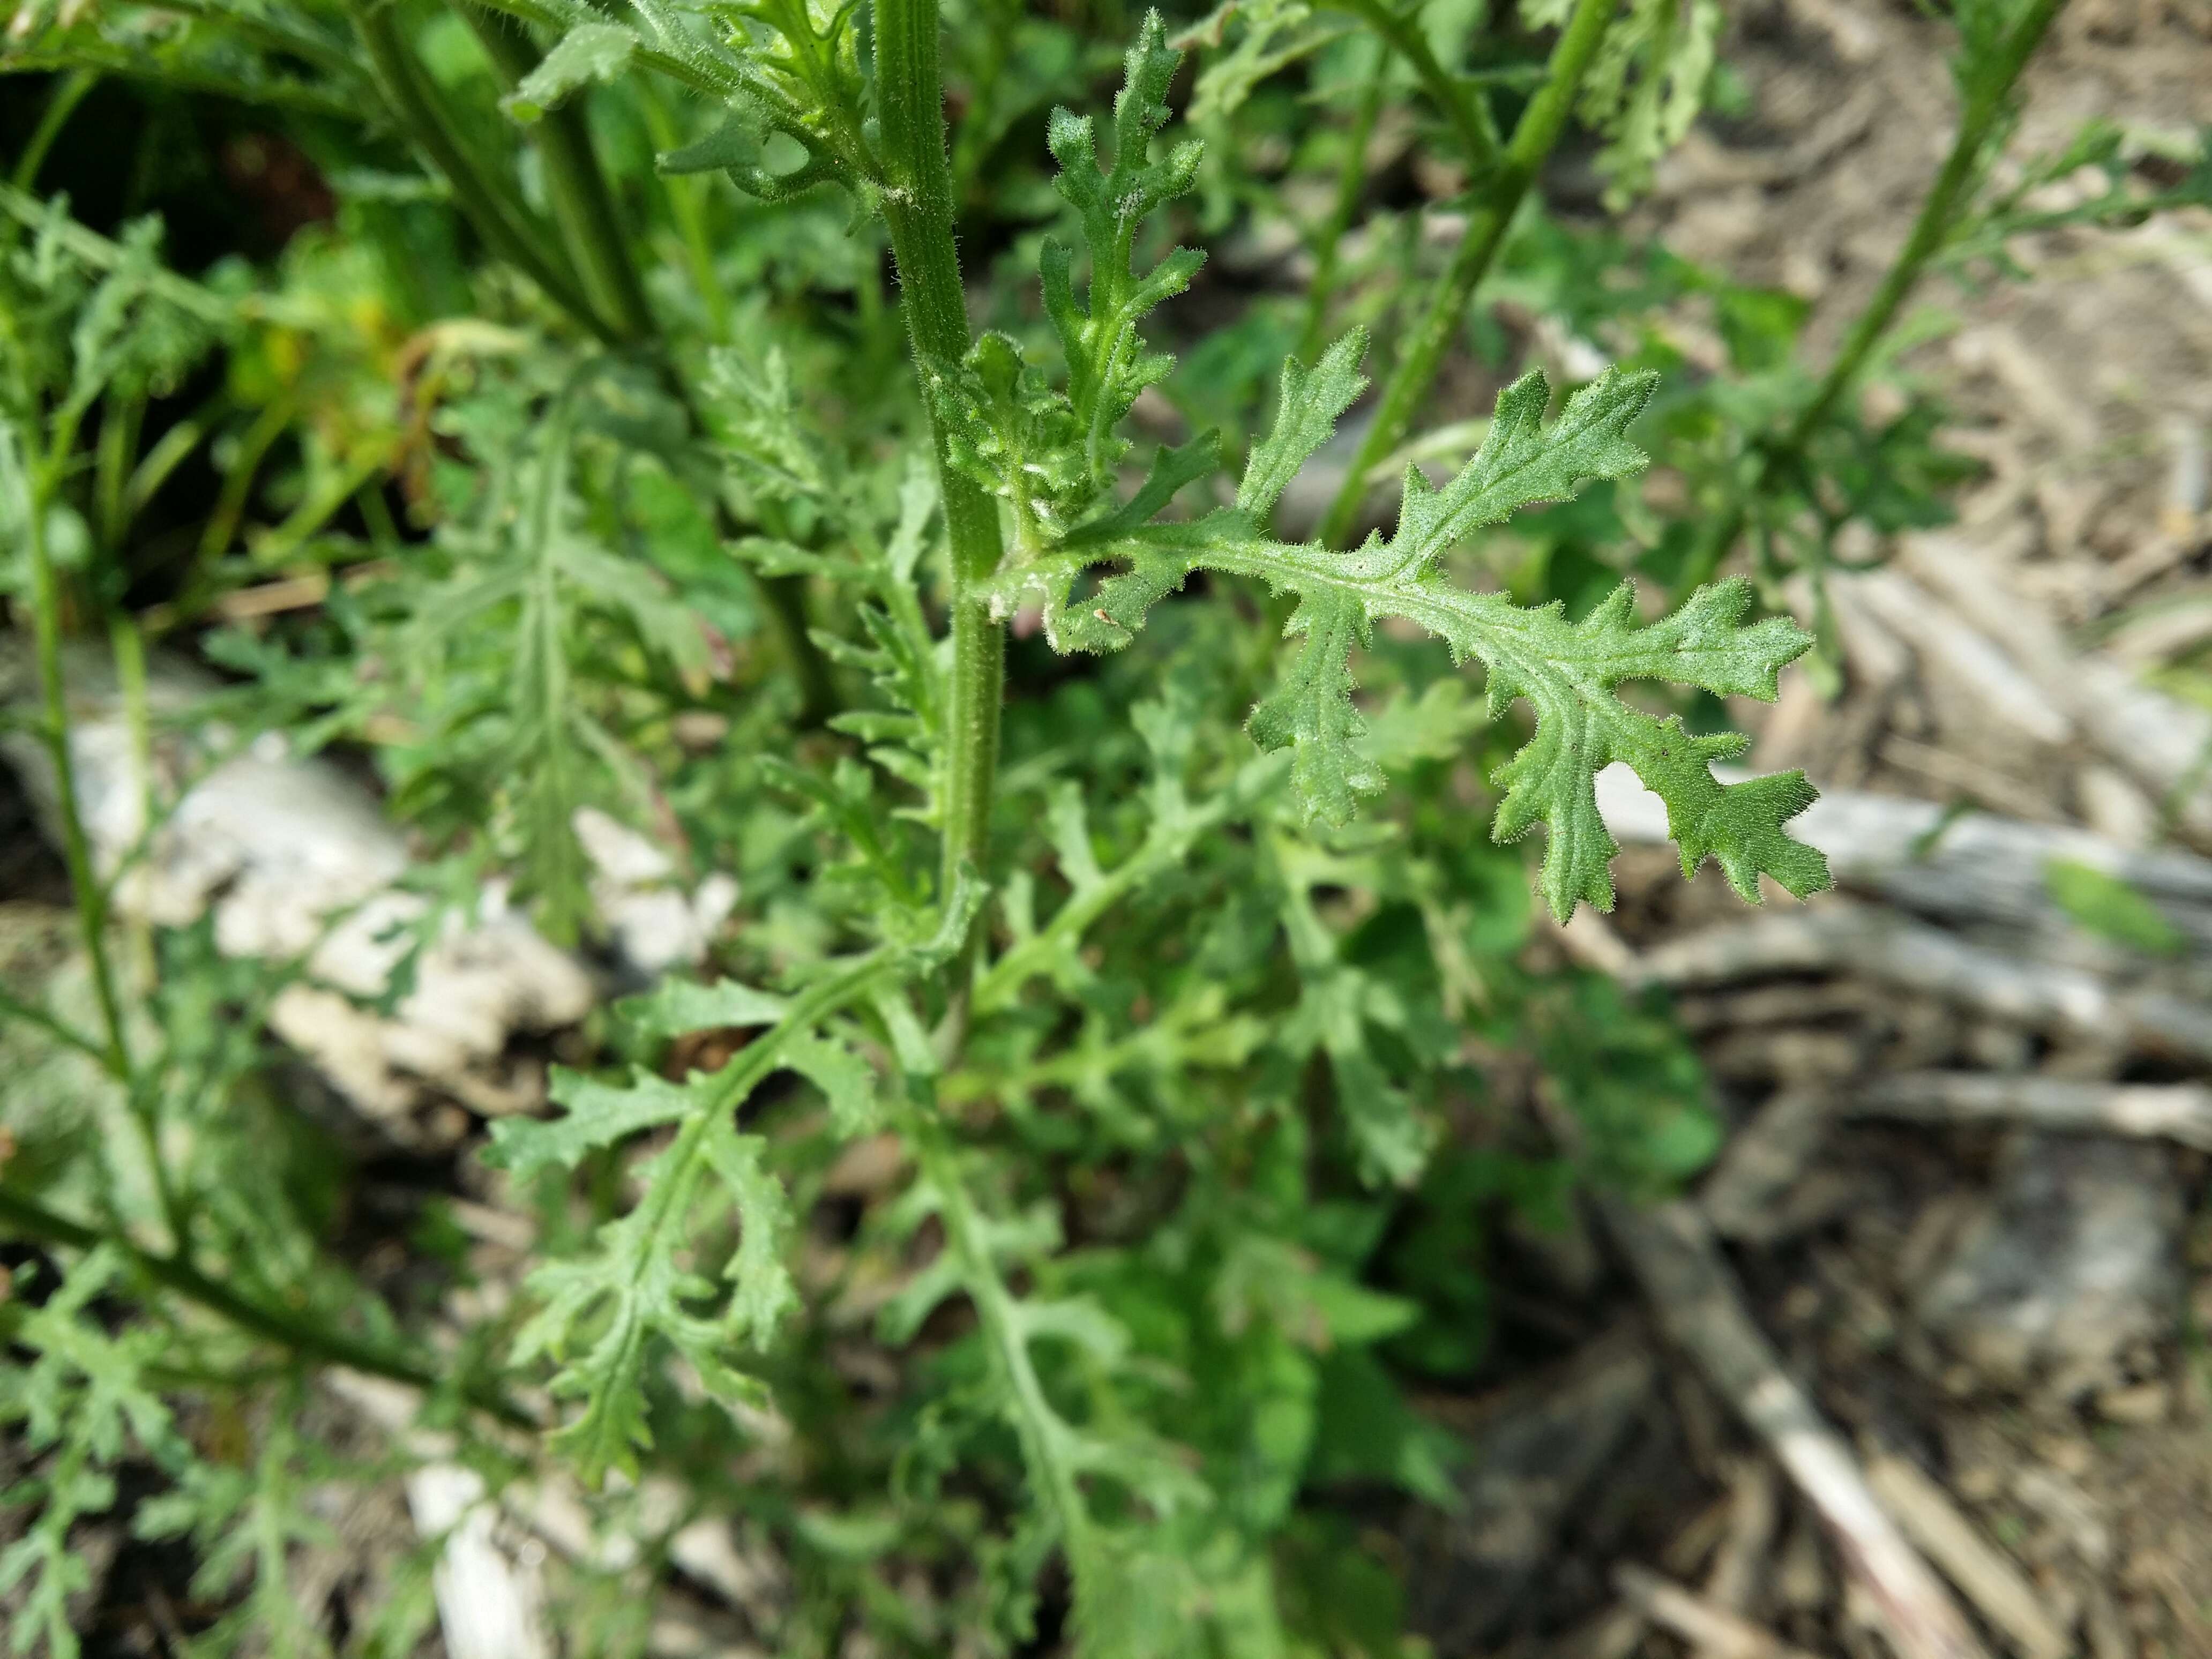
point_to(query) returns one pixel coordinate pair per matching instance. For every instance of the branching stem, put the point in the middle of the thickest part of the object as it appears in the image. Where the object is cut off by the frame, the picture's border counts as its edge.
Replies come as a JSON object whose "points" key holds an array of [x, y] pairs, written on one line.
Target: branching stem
{"points": [[1987, 98], [575, 185], [609, 299], [1460, 100], [1423, 353]]}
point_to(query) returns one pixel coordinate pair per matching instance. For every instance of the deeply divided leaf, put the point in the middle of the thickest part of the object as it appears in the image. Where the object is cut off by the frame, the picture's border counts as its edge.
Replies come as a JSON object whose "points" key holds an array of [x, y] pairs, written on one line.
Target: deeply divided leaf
{"points": [[1052, 453], [1567, 671]]}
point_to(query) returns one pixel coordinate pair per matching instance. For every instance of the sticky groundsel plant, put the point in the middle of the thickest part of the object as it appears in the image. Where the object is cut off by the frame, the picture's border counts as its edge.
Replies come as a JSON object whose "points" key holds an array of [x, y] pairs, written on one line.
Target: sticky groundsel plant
{"points": [[1153, 990], [1027, 476]]}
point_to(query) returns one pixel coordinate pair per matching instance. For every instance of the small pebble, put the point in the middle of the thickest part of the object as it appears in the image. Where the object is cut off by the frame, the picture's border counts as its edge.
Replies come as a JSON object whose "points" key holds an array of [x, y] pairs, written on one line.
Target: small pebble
{"points": [[699, 731], [2065, 1453], [1977, 1483], [2143, 1404]]}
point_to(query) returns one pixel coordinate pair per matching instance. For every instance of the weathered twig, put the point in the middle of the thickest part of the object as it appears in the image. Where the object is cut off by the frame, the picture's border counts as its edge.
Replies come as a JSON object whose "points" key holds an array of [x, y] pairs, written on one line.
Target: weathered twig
{"points": [[1712, 1631], [1674, 1255], [1743, 1197], [1754, 1516], [1974, 867], [2180, 1112], [1983, 1575], [2157, 739], [1963, 656], [1540, 1455], [1880, 945]]}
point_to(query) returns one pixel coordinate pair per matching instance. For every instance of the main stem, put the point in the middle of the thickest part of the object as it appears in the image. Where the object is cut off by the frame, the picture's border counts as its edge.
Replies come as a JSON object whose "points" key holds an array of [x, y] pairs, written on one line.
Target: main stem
{"points": [[1983, 107], [918, 206], [1422, 352], [1460, 102]]}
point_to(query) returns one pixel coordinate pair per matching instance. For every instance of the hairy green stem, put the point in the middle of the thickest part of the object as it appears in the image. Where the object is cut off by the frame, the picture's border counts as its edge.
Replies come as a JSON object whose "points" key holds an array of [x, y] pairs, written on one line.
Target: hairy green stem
{"points": [[128, 645], [686, 197], [86, 887], [113, 452], [584, 204], [238, 481], [1422, 352], [918, 206], [1983, 109], [609, 299]]}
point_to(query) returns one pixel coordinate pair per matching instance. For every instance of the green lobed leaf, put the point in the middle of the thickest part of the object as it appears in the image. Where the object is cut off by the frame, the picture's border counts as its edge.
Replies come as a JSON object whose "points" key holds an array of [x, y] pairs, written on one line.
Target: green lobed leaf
{"points": [[587, 53], [1312, 401], [596, 1115], [1310, 712], [1567, 671], [676, 1006], [1106, 368], [1522, 462], [1054, 455], [846, 1082], [1645, 86], [600, 1312]]}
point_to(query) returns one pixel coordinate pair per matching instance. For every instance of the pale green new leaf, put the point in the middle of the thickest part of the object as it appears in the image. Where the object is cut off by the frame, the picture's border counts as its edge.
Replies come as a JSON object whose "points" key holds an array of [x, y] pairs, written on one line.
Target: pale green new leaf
{"points": [[676, 1006], [630, 589], [1311, 713], [83, 1398], [597, 1114], [588, 53], [846, 1082], [760, 1290], [1271, 36], [644, 1277], [1107, 365], [601, 1311], [1054, 455], [1312, 401]]}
